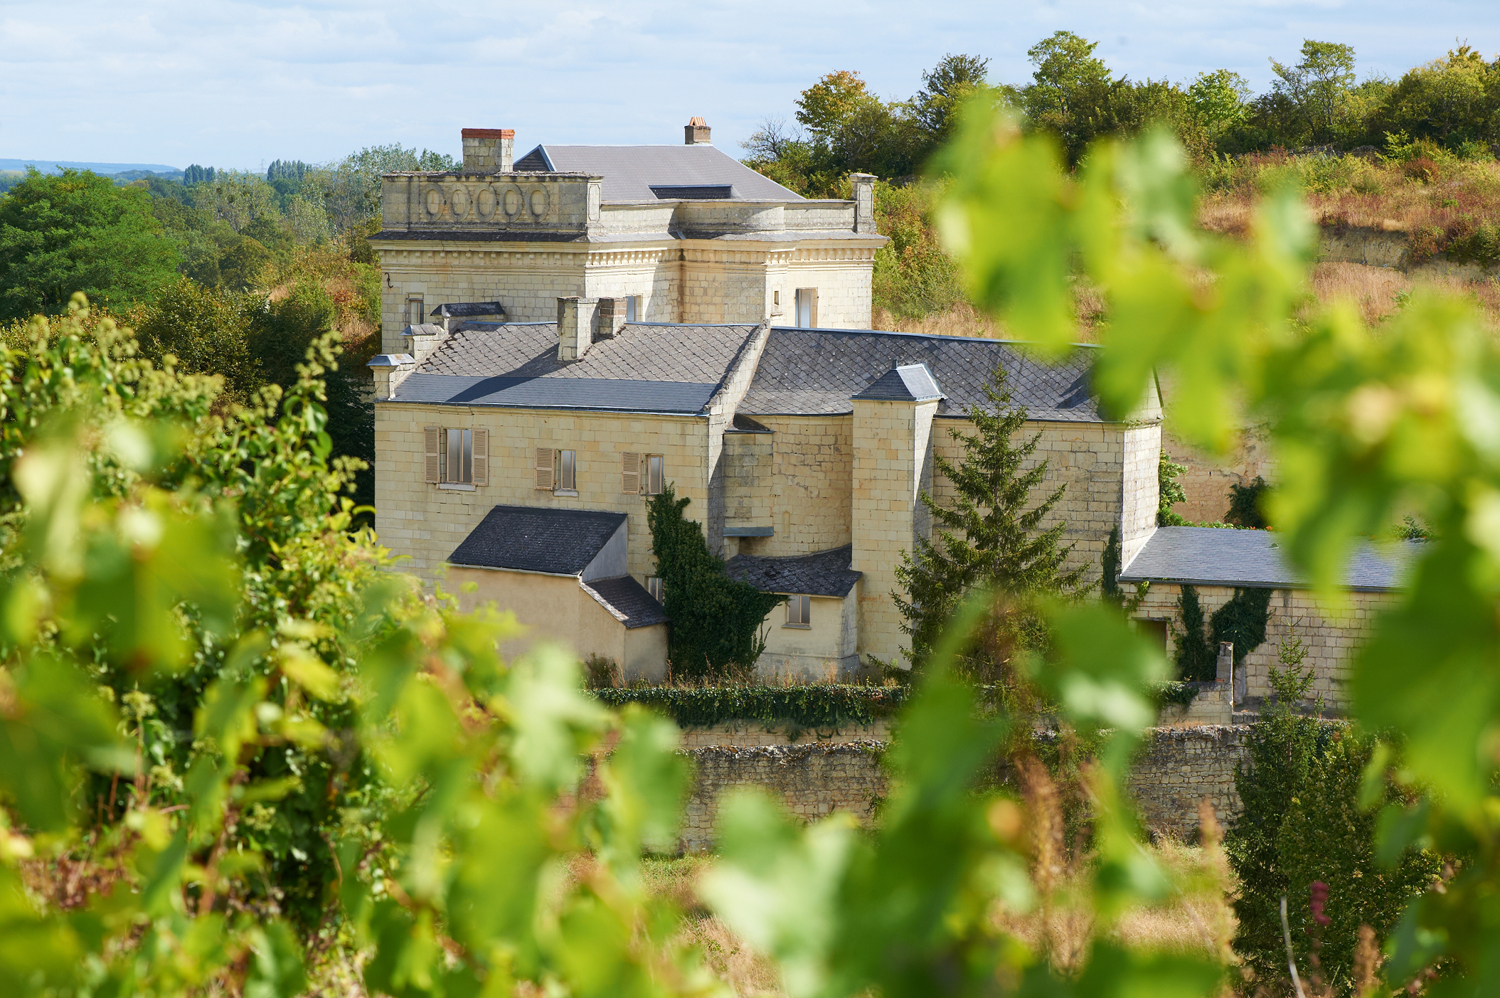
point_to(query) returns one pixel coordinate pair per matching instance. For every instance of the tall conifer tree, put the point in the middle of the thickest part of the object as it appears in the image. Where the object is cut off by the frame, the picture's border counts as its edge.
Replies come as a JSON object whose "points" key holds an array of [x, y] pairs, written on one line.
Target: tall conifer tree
{"points": [[990, 536]]}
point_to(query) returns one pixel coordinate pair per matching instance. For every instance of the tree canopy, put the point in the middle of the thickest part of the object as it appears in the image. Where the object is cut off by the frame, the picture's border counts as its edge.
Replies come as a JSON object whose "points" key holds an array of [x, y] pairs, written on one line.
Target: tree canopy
{"points": [[77, 231]]}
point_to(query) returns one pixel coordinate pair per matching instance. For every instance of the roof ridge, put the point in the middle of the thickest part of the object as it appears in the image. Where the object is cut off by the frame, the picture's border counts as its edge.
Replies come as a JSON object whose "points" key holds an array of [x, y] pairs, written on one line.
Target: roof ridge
{"points": [[919, 336]]}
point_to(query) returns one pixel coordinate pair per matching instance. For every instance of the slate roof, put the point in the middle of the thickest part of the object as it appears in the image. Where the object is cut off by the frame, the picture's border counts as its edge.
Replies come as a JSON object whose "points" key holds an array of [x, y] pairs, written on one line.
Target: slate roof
{"points": [[646, 367], [528, 539], [826, 573], [630, 172], [818, 371], [627, 600], [465, 309], [1252, 559], [908, 383]]}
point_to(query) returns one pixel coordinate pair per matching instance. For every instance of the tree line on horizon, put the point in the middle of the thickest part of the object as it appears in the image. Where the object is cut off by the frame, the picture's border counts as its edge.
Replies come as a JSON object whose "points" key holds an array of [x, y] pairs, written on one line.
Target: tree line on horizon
{"points": [[1316, 103]]}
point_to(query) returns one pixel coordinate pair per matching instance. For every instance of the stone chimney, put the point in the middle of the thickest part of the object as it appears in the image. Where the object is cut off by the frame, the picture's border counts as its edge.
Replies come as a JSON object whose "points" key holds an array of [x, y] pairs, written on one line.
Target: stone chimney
{"points": [[695, 132], [575, 327], [489, 150], [610, 318], [390, 369], [864, 201]]}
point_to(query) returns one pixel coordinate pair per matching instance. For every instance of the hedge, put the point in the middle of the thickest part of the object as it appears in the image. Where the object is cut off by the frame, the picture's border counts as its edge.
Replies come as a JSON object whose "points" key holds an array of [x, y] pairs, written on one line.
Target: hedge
{"points": [[808, 706], [820, 706]]}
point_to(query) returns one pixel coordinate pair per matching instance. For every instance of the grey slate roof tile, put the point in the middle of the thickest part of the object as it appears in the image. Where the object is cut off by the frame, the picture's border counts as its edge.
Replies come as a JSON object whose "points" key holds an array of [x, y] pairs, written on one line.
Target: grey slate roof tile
{"points": [[825, 573], [529, 539], [628, 600], [630, 172], [908, 383], [645, 367], [1252, 559], [818, 371]]}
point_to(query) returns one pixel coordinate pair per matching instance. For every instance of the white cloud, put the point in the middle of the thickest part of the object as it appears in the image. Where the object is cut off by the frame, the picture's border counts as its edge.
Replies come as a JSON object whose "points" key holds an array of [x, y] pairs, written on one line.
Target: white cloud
{"points": [[240, 83]]}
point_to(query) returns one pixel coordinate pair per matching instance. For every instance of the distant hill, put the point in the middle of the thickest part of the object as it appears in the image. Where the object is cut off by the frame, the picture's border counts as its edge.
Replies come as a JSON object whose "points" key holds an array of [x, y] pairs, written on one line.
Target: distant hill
{"points": [[52, 165]]}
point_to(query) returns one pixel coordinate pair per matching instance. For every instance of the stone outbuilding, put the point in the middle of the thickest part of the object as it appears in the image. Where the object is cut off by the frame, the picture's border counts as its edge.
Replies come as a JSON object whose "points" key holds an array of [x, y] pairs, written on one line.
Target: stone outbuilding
{"points": [[1217, 561]]}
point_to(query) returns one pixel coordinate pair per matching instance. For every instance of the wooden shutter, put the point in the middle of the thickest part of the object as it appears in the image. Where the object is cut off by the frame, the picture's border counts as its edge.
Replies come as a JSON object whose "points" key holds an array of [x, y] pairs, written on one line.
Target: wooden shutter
{"points": [[545, 457], [630, 472], [813, 307], [481, 457], [431, 441]]}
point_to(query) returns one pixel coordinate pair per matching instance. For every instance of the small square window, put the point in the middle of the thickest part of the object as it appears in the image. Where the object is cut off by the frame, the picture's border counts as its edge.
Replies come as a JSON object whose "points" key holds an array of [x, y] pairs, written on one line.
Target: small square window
{"points": [[799, 611], [656, 589], [567, 471], [415, 311], [655, 474]]}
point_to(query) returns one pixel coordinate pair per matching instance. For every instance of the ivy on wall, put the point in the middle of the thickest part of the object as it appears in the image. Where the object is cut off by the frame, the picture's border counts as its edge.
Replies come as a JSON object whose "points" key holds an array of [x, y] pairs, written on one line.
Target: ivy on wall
{"points": [[1241, 621]]}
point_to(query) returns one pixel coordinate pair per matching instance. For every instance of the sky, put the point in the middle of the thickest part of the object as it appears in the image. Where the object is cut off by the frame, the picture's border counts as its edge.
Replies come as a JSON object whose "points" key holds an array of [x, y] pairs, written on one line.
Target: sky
{"points": [[238, 84]]}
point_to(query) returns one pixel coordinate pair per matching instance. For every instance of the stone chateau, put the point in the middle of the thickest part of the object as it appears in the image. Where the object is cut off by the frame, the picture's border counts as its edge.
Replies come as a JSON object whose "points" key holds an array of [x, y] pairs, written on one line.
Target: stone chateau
{"points": [[569, 332]]}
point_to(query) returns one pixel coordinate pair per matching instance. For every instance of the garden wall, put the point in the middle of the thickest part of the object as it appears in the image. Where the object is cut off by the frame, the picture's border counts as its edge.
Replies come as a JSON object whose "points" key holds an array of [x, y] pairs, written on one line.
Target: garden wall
{"points": [[1177, 768]]}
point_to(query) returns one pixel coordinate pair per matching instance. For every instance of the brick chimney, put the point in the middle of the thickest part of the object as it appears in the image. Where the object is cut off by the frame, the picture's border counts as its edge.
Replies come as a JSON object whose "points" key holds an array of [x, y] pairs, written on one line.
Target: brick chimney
{"points": [[610, 318], [489, 150], [695, 132]]}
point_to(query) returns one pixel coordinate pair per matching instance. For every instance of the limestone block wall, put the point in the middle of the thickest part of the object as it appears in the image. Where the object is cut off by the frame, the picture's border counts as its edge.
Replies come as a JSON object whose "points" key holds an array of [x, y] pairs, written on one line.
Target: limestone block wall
{"points": [[1140, 487], [1178, 768], [1175, 770], [1086, 457], [824, 651], [748, 461], [750, 734], [555, 609], [809, 485], [1330, 638], [651, 272], [811, 780], [426, 522], [891, 461], [842, 274], [720, 284], [527, 278]]}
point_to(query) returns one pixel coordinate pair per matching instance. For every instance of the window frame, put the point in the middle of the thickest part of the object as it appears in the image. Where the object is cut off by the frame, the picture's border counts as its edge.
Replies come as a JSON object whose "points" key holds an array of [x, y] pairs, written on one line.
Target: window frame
{"points": [[798, 611], [656, 589], [418, 315], [654, 481], [565, 482], [461, 440]]}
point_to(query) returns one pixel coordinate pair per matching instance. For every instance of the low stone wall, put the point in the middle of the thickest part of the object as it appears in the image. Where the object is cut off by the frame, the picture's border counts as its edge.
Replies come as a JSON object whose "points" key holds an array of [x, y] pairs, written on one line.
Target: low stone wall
{"points": [[811, 780], [751, 734], [1210, 706], [1177, 768]]}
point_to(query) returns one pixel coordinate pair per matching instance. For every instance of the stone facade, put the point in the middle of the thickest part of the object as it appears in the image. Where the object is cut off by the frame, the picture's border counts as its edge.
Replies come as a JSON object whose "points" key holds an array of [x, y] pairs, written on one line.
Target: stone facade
{"points": [[525, 238], [1329, 638]]}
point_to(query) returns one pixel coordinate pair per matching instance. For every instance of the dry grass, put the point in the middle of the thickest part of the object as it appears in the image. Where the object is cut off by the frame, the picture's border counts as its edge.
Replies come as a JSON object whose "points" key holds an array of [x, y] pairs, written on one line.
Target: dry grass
{"points": [[1196, 919]]}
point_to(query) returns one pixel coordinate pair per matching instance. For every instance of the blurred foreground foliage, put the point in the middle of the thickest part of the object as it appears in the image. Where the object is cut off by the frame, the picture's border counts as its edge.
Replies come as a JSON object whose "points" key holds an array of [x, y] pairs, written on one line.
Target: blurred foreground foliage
{"points": [[213, 689]]}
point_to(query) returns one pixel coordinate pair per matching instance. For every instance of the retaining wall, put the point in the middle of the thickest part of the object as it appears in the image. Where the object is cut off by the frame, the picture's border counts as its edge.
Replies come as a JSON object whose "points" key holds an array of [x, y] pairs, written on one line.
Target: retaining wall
{"points": [[1176, 769]]}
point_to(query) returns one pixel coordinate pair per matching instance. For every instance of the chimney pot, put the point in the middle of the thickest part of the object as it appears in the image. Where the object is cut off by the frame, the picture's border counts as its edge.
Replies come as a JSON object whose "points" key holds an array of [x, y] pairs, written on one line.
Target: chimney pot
{"points": [[489, 150], [696, 132]]}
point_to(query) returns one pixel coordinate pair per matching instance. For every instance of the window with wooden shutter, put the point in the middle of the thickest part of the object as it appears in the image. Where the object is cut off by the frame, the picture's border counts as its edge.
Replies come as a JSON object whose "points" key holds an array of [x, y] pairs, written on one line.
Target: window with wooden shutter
{"points": [[431, 437], [630, 472], [481, 457], [545, 457]]}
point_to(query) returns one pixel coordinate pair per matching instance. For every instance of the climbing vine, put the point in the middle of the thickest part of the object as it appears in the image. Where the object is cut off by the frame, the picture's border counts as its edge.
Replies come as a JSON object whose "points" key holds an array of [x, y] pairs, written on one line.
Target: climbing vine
{"points": [[1241, 621]]}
